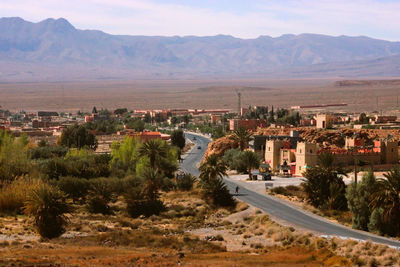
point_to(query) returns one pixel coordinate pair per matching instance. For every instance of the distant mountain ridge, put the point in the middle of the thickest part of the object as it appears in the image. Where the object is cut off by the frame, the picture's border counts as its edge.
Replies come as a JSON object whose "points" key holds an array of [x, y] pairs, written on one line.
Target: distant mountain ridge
{"points": [[54, 49]]}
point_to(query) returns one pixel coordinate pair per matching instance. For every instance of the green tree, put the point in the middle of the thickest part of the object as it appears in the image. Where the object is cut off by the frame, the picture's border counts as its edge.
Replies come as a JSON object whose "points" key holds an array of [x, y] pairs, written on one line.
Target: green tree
{"points": [[271, 117], [78, 136], [14, 160], [232, 159], [178, 139], [358, 199], [242, 137], [387, 198], [213, 187], [144, 198], [212, 167], [324, 185], [156, 150], [136, 124], [363, 119], [120, 111], [94, 110], [250, 160], [125, 155]]}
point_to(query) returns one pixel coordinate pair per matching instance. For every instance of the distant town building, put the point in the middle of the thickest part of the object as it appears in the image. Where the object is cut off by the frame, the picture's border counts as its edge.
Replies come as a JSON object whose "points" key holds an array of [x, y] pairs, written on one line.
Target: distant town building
{"points": [[251, 124], [146, 136], [324, 121], [304, 154]]}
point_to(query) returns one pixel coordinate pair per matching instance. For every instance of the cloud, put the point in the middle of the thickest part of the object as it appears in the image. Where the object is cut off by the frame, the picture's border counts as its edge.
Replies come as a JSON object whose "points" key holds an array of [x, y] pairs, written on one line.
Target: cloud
{"points": [[247, 19]]}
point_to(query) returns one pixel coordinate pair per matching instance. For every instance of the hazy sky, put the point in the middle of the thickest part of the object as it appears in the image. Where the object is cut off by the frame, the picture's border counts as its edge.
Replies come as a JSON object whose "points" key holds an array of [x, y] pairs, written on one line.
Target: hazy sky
{"points": [[240, 18]]}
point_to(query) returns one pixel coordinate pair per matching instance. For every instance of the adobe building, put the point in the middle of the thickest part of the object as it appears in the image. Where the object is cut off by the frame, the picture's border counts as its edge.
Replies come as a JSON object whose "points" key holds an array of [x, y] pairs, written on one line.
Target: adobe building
{"points": [[305, 154], [324, 121], [251, 124]]}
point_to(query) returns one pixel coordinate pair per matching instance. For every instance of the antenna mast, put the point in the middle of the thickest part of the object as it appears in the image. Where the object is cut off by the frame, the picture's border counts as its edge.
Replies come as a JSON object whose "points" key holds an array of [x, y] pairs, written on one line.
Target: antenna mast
{"points": [[239, 103]]}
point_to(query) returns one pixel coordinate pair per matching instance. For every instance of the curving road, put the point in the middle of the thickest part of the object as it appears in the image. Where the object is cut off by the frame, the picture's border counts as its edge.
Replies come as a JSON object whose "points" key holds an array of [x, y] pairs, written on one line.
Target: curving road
{"points": [[278, 208]]}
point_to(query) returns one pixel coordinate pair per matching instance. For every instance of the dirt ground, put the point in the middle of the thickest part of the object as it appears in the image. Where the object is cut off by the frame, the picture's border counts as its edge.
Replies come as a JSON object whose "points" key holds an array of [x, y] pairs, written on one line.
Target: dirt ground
{"points": [[164, 94]]}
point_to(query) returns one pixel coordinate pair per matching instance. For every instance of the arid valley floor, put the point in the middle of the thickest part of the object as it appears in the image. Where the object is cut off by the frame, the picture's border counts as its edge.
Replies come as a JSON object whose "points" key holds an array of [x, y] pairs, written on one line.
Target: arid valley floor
{"points": [[380, 95]]}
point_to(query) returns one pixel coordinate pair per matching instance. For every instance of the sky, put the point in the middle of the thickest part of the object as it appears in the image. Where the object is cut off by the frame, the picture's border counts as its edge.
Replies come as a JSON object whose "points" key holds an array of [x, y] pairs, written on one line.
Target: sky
{"points": [[239, 18]]}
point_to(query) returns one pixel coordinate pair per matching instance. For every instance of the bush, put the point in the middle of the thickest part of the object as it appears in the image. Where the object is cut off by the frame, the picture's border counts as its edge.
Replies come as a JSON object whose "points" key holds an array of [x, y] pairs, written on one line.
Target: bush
{"points": [[186, 182], [216, 191], [75, 188], [137, 204], [233, 158], [280, 190], [100, 194], [47, 152], [167, 184], [82, 165], [47, 204]]}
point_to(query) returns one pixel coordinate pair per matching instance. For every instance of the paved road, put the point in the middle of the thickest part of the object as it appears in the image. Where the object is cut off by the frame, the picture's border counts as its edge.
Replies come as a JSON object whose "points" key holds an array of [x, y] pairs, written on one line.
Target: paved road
{"points": [[279, 209]]}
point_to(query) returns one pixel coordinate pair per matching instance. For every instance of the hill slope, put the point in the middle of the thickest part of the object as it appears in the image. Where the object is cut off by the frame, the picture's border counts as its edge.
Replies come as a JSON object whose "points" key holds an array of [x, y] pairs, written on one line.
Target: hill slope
{"points": [[56, 50]]}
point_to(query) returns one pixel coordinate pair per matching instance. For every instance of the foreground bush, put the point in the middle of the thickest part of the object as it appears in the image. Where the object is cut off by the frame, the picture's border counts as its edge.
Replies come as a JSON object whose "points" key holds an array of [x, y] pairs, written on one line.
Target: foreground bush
{"points": [[186, 182], [217, 192], [47, 205], [138, 204], [14, 195], [75, 188], [101, 193]]}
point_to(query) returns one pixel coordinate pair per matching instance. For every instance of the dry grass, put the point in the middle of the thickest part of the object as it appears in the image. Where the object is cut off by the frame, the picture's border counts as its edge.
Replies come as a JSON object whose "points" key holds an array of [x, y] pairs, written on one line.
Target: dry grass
{"points": [[13, 195], [252, 239]]}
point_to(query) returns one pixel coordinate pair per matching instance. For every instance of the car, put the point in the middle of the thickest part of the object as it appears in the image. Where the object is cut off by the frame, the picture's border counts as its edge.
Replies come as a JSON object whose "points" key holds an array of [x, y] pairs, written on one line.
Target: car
{"points": [[266, 176], [199, 147]]}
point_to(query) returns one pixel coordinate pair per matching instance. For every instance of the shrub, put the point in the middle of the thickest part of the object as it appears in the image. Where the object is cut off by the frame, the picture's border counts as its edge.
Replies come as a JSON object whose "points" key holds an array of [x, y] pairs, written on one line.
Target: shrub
{"points": [[138, 204], [47, 152], [75, 188], [186, 182], [167, 184], [100, 194], [232, 158], [280, 190], [216, 190], [47, 204]]}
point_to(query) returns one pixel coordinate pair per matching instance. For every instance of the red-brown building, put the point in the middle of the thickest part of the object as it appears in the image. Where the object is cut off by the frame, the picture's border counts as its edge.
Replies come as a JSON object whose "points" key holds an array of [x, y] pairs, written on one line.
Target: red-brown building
{"points": [[146, 136], [252, 124]]}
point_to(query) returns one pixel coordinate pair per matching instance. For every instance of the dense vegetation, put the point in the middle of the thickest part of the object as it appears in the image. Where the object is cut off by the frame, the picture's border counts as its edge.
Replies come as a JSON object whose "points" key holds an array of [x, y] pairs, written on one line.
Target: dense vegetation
{"points": [[43, 181]]}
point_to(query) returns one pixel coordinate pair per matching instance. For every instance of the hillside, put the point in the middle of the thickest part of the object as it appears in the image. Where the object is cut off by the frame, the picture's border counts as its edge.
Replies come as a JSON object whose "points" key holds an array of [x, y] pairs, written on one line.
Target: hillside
{"points": [[56, 50]]}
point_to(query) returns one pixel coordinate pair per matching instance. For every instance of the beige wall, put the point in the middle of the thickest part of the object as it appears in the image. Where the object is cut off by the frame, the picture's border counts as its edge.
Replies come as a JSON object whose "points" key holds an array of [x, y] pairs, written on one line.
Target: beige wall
{"points": [[273, 153], [306, 155], [324, 121]]}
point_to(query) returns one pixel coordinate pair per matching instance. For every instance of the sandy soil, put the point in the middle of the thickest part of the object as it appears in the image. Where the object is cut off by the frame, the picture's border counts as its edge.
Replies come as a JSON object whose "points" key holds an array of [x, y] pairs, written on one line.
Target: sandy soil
{"points": [[74, 96]]}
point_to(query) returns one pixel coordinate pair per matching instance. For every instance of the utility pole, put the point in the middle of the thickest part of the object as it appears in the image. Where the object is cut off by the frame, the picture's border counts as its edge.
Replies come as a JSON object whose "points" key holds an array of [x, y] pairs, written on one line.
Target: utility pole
{"points": [[239, 103]]}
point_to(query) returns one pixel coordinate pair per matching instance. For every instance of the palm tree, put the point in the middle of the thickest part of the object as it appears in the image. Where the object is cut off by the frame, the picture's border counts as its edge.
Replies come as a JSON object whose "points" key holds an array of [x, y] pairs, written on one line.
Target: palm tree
{"points": [[211, 172], [242, 137], [250, 160], [47, 204], [152, 181], [387, 197], [155, 150], [212, 168], [319, 180]]}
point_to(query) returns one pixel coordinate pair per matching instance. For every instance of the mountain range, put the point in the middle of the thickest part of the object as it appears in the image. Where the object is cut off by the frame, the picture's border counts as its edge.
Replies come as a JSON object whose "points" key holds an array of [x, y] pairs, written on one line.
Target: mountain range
{"points": [[53, 50]]}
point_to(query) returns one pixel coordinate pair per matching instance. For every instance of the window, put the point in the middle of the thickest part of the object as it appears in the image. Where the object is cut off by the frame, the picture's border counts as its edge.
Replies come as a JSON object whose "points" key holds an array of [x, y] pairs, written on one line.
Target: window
{"points": [[269, 148], [392, 149], [299, 168], [310, 150], [300, 150]]}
